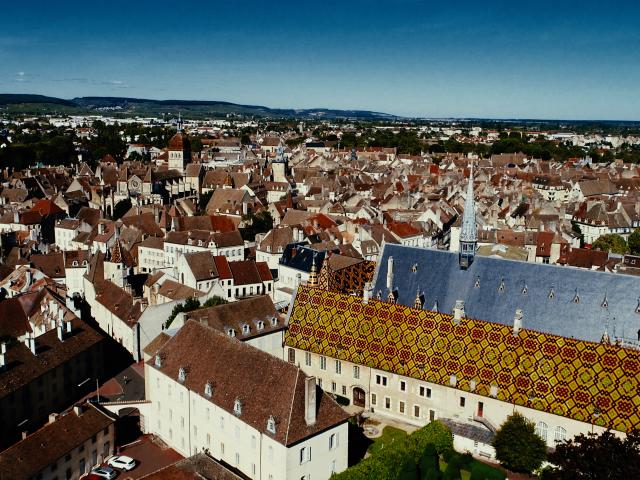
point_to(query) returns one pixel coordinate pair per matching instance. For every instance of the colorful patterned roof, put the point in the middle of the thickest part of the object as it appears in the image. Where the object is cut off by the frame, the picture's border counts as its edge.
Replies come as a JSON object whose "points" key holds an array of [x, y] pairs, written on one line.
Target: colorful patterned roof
{"points": [[567, 377]]}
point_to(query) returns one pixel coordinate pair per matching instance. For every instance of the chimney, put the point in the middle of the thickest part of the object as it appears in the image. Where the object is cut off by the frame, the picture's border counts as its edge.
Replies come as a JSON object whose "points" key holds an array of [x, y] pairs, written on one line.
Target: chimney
{"points": [[77, 409], [458, 311], [517, 322], [310, 400], [60, 315], [366, 293], [16, 217], [32, 344], [390, 273], [53, 417], [28, 277], [68, 325], [60, 331], [298, 280], [3, 355], [100, 228]]}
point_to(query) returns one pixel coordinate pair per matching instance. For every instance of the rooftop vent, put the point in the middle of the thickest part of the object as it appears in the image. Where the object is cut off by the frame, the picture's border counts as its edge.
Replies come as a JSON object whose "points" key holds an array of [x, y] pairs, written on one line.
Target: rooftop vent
{"points": [[182, 374], [271, 424], [208, 390]]}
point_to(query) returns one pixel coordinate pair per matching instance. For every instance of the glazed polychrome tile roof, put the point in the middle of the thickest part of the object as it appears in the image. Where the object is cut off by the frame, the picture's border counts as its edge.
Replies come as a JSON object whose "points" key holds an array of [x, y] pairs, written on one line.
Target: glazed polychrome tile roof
{"points": [[567, 377]]}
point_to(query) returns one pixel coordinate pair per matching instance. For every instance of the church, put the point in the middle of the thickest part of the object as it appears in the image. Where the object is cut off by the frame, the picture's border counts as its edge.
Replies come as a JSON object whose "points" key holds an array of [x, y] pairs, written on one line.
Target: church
{"points": [[470, 340]]}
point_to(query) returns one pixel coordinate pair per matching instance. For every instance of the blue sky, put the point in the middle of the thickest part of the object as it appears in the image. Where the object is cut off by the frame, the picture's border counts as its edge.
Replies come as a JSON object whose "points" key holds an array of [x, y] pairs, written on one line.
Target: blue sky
{"points": [[569, 60]]}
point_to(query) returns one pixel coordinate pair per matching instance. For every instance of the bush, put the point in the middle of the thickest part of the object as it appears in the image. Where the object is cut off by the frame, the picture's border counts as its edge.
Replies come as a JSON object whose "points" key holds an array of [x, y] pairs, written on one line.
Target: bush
{"points": [[430, 464], [452, 472], [480, 471]]}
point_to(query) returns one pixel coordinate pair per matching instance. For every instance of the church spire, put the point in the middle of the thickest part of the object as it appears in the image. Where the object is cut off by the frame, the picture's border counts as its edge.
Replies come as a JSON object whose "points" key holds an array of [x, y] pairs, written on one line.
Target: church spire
{"points": [[469, 229]]}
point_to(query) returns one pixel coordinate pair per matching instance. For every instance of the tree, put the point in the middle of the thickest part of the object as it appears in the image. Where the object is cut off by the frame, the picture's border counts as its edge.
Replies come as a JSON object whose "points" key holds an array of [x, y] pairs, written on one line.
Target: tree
{"points": [[213, 301], [452, 472], [430, 464], [122, 207], [611, 242], [634, 242], [189, 305], [517, 445], [596, 457]]}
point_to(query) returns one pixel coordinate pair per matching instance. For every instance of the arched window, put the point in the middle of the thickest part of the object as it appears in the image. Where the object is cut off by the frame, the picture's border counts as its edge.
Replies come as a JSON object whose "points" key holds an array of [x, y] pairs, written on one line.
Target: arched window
{"points": [[541, 430], [561, 434]]}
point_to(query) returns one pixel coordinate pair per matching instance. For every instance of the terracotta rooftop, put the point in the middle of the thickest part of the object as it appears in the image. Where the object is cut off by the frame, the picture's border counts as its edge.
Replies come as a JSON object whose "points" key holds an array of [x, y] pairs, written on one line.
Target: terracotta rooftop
{"points": [[267, 385], [52, 442]]}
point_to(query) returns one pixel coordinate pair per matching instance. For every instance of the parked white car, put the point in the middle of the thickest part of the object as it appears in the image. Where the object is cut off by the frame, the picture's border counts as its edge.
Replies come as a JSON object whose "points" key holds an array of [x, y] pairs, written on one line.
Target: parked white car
{"points": [[122, 462], [105, 472]]}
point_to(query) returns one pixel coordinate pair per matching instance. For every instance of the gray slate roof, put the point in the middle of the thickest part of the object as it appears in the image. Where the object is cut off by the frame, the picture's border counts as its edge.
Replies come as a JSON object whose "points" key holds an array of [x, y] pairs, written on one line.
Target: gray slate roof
{"points": [[441, 282]]}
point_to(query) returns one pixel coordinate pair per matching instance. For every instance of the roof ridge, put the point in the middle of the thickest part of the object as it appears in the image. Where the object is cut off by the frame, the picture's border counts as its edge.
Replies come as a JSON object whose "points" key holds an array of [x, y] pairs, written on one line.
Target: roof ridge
{"points": [[293, 398]]}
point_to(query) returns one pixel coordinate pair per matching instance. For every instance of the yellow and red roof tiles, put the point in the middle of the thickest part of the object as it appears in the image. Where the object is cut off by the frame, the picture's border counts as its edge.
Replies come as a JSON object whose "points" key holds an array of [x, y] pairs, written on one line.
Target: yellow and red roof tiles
{"points": [[563, 376]]}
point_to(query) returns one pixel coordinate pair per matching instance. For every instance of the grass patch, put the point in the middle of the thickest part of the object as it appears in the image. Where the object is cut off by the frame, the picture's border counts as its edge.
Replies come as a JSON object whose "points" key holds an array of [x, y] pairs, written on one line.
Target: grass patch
{"points": [[388, 437]]}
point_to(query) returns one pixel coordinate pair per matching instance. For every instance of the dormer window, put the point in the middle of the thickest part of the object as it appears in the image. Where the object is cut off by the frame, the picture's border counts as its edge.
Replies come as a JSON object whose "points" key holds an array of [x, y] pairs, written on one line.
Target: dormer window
{"points": [[182, 374], [576, 298], [525, 290], [237, 407], [605, 303], [208, 390], [477, 284], [245, 329], [552, 294], [75, 263], [501, 286], [158, 361], [414, 268], [271, 425], [231, 332], [260, 325], [638, 306], [84, 263], [274, 321]]}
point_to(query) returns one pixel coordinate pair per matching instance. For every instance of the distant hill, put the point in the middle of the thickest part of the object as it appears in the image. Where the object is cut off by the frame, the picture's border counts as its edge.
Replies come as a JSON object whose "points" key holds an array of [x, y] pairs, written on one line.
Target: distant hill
{"points": [[19, 98], [203, 107], [24, 103]]}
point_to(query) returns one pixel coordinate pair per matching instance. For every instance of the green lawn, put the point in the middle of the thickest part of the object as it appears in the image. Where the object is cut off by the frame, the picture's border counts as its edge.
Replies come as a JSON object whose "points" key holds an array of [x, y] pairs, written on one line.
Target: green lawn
{"points": [[389, 435]]}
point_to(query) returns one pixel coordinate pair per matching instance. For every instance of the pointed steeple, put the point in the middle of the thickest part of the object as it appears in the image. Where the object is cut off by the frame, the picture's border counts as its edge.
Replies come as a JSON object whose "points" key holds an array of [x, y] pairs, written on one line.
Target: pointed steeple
{"points": [[313, 275], [469, 228], [180, 129]]}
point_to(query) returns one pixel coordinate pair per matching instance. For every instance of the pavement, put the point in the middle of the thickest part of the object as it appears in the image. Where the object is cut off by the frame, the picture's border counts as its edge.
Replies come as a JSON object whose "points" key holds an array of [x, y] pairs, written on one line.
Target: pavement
{"points": [[150, 454]]}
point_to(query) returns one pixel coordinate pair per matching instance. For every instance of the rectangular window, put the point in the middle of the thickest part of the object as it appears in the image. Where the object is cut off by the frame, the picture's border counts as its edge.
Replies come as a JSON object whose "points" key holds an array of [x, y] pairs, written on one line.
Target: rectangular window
{"points": [[424, 392], [344, 390], [387, 403], [416, 411], [307, 359], [338, 367], [333, 441], [381, 380], [305, 455], [403, 386], [292, 355], [356, 371], [323, 363], [374, 399], [462, 401], [401, 407], [320, 382], [333, 386]]}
